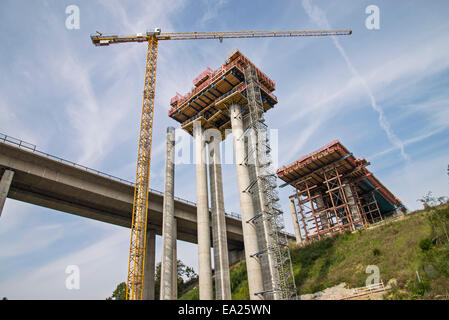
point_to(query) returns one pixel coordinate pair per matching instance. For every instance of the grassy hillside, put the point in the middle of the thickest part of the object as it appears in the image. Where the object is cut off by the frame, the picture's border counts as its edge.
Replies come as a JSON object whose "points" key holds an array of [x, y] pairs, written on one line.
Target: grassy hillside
{"points": [[417, 243], [239, 284]]}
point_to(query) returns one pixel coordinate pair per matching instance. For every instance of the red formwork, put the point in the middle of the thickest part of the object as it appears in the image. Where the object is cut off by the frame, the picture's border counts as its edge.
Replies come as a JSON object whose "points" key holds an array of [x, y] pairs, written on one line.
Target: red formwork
{"points": [[208, 77], [202, 77], [176, 98]]}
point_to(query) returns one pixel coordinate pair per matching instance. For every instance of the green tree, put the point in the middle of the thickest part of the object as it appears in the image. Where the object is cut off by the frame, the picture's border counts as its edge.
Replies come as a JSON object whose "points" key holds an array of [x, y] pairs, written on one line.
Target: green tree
{"points": [[428, 200], [119, 292], [186, 278], [157, 282]]}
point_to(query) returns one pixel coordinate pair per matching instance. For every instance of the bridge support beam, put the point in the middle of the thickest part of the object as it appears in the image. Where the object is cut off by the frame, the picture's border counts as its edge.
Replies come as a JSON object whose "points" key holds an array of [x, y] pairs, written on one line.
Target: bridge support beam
{"points": [[150, 260], [253, 266], [168, 220], [219, 235], [203, 222], [5, 184]]}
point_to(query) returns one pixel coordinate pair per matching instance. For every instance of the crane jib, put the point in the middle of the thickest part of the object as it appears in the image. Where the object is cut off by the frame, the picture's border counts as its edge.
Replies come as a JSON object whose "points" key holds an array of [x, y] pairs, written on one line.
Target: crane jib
{"points": [[100, 40]]}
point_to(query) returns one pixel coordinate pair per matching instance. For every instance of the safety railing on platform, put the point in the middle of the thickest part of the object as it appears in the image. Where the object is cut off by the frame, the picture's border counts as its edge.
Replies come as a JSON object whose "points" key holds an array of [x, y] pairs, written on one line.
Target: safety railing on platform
{"points": [[219, 73]]}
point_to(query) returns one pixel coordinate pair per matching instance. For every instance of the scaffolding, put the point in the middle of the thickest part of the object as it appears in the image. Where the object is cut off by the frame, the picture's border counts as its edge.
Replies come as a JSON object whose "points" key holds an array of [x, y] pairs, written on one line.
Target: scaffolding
{"points": [[335, 192], [275, 253], [370, 208], [328, 207]]}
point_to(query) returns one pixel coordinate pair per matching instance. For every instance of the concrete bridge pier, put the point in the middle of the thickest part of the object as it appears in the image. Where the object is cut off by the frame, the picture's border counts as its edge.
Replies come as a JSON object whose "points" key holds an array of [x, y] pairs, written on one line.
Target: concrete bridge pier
{"points": [[168, 221], [219, 236], [5, 184], [203, 222], [253, 265], [150, 260]]}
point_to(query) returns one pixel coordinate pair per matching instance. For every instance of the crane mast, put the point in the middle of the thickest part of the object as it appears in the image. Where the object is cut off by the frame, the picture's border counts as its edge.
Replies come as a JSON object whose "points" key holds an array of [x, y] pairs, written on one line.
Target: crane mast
{"points": [[140, 205], [134, 284]]}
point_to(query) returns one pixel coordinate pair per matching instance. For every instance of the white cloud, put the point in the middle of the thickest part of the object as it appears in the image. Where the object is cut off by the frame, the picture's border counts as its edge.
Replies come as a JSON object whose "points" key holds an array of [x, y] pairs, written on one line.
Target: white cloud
{"points": [[39, 238], [408, 142], [12, 216], [94, 123], [102, 266], [212, 10], [417, 178], [319, 17], [390, 77]]}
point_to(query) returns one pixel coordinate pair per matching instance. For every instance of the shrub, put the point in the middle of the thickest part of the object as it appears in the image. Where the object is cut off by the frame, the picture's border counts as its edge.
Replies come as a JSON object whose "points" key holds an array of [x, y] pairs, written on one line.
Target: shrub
{"points": [[425, 244], [419, 288], [376, 251]]}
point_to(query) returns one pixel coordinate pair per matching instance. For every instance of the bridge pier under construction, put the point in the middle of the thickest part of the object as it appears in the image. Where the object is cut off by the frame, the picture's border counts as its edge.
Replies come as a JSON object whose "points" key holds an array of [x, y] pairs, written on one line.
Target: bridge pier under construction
{"points": [[250, 238], [334, 192], [234, 98]]}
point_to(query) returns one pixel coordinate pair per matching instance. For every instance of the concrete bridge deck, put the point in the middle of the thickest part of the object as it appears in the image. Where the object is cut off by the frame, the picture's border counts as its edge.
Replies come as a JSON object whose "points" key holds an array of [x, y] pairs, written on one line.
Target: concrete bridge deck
{"points": [[55, 183], [47, 181]]}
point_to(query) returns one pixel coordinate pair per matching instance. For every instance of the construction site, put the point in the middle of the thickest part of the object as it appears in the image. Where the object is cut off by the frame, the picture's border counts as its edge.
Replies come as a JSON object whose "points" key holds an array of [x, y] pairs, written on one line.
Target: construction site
{"points": [[271, 152], [233, 98], [333, 190]]}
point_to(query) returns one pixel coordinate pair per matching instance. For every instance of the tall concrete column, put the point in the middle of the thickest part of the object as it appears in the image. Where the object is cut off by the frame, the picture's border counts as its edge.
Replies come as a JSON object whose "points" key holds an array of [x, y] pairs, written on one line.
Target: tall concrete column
{"points": [[150, 260], [213, 209], [295, 222], [203, 222], [255, 280], [168, 217], [175, 261], [5, 183], [258, 193], [219, 236]]}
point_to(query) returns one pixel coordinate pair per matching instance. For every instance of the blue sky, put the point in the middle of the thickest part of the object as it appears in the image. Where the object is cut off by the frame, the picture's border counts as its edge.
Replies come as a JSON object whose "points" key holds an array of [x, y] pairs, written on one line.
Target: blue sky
{"points": [[382, 93]]}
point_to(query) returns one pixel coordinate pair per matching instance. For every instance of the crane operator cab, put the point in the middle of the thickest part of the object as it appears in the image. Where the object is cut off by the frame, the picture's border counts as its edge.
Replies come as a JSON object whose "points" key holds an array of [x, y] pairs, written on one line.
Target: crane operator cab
{"points": [[156, 31]]}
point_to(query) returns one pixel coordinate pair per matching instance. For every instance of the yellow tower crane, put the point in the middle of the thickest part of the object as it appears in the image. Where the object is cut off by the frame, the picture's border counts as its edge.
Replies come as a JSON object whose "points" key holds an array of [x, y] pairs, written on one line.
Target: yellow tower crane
{"points": [[134, 284]]}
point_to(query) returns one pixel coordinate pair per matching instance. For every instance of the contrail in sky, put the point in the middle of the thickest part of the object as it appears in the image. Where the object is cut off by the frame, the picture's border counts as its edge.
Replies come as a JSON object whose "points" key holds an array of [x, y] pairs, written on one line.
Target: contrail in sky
{"points": [[319, 17]]}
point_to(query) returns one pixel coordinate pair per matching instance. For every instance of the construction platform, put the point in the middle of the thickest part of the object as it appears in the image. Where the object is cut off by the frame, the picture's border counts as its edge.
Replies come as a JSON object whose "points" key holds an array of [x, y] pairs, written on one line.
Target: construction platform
{"points": [[336, 192], [215, 90]]}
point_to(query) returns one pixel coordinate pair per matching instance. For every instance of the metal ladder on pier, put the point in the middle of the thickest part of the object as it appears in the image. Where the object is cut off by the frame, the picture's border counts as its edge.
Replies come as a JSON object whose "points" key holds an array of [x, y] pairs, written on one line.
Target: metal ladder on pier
{"points": [[263, 189]]}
